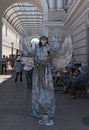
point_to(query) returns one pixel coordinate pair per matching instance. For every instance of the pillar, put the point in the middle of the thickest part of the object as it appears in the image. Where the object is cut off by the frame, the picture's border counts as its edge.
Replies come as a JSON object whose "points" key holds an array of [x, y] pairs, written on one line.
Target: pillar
{"points": [[59, 4], [12, 48], [51, 4], [45, 21], [69, 2], [1, 23], [44, 30]]}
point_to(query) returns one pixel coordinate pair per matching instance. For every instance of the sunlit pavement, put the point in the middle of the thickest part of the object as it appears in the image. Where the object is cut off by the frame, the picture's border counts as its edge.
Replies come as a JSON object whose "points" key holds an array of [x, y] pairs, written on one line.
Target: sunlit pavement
{"points": [[15, 108]]}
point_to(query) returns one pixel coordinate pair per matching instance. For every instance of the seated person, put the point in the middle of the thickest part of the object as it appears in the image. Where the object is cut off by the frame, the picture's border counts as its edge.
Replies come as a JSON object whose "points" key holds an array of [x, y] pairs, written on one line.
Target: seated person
{"points": [[78, 82], [69, 79], [59, 79]]}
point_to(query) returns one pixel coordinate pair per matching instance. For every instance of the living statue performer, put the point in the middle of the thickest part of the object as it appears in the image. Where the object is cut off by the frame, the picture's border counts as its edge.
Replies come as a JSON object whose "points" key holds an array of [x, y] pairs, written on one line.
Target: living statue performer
{"points": [[43, 96]]}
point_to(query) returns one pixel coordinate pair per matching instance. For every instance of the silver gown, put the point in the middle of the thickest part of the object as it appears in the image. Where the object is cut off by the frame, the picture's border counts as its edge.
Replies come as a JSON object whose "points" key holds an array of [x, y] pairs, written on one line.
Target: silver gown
{"points": [[43, 97]]}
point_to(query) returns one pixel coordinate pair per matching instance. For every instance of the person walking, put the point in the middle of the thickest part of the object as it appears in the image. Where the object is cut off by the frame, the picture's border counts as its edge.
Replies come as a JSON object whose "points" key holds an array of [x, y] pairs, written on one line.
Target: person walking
{"points": [[18, 69], [28, 74], [3, 64]]}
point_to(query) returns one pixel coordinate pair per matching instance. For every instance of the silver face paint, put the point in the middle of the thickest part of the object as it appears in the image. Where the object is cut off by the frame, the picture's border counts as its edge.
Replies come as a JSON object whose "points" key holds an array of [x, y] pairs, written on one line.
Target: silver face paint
{"points": [[43, 41]]}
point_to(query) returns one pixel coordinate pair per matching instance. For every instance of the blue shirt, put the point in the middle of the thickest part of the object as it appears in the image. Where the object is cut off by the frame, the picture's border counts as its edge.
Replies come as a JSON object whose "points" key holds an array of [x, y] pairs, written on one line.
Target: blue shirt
{"points": [[80, 80], [18, 66]]}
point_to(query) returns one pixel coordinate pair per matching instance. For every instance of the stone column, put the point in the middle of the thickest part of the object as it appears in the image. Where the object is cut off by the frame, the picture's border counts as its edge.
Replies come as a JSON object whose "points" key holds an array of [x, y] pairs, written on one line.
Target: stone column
{"points": [[59, 4], [69, 2], [45, 30], [12, 44], [51, 4], [1, 23], [45, 21]]}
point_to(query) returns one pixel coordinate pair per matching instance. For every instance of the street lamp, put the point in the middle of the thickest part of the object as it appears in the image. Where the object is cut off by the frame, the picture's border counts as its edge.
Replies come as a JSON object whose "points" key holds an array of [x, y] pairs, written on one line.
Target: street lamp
{"points": [[12, 48]]}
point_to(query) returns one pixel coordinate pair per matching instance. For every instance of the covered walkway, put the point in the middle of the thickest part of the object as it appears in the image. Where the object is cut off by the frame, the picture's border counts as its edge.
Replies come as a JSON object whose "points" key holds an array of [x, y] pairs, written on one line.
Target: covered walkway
{"points": [[15, 108]]}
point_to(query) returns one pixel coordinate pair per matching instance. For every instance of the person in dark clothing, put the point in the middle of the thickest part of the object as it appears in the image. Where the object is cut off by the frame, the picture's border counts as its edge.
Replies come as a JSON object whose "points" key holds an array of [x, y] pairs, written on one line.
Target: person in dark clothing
{"points": [[28, 74], [18, 69], [77, 83], [4, 61]]}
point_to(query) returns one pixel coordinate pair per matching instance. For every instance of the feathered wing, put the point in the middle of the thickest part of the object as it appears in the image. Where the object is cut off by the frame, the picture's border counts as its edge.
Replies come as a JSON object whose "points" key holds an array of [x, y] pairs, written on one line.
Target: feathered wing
{"points": [[28, 53], [63, 55], [24, 46]]}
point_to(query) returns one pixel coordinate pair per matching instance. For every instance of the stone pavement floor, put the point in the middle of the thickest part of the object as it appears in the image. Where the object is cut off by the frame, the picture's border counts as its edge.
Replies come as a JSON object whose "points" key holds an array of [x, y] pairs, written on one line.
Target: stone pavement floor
{"points": [[15, 108]]}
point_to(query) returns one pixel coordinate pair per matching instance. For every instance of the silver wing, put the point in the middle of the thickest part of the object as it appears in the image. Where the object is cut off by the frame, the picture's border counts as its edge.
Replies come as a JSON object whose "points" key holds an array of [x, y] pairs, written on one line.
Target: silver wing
{"points": [[23, 45], [63, 55]]}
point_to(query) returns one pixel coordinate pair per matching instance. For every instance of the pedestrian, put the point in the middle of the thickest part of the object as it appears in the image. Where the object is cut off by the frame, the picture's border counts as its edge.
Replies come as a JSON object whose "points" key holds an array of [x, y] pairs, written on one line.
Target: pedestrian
{"points": [[28, 74], [3, 64], [18, 68]]}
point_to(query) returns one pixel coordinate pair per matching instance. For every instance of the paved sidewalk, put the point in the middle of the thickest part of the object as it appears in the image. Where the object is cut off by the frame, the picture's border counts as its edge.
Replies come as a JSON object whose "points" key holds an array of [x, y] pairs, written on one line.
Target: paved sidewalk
{"points": [[15, 108]]}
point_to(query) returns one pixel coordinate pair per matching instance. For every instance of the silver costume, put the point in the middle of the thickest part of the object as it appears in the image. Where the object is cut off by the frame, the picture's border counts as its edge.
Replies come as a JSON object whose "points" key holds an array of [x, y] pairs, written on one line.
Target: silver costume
{"points": [[43, 97]]}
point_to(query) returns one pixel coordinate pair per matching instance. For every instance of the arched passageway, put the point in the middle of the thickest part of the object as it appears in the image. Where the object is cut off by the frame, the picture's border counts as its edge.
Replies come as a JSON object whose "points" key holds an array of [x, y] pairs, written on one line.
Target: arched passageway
{"points": [[25, 17]]}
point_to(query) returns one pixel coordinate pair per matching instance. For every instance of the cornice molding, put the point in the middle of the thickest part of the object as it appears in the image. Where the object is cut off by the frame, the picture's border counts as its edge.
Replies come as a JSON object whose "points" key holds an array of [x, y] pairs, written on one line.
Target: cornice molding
{"points": [[53, 23], [82, 6]]}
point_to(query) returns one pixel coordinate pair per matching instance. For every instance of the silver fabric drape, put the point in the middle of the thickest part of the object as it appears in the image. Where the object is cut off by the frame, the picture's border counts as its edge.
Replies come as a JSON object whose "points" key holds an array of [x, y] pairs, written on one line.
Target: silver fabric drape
{"points": [[43, 97]]}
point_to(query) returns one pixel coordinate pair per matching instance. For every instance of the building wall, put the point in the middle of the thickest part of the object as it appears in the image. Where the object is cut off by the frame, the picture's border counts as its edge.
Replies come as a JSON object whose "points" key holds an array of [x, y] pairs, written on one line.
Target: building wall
{"points": [[9, 36], [77, 22], [79, 33]]}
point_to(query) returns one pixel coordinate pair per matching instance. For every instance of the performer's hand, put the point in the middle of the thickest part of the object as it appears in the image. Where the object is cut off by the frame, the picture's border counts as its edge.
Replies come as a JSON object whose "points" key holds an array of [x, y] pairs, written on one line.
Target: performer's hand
{"points": [[48, 52]]}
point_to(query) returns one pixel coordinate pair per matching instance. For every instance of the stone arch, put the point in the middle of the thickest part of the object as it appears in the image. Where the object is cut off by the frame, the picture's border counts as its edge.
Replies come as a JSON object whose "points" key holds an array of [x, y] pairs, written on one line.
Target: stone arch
{"points": [[32, 37], [41, 4]]}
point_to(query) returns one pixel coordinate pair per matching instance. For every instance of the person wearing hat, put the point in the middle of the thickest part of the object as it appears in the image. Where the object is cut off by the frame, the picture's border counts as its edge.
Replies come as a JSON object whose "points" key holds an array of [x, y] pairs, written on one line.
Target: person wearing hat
{"points": [[18, 68]]}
